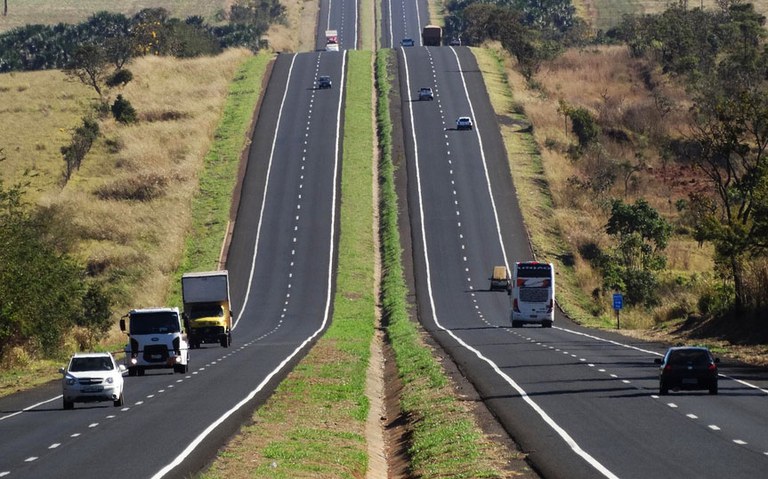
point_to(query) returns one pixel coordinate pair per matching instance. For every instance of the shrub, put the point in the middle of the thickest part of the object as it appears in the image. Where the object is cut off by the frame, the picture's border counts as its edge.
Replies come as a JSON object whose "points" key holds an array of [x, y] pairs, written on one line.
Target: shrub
{"points": [[120, 78], [145, 187], [123, 111]]}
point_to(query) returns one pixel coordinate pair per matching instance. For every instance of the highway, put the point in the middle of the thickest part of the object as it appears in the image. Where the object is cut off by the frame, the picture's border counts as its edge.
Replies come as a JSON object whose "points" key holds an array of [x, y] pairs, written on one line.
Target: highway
{"points": [[282, 268], [581, 403]]}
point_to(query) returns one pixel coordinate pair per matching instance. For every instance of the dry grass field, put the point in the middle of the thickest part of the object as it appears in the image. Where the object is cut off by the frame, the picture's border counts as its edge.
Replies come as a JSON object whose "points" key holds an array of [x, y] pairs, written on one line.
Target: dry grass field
{"points": [[47, 12], [179, 103], [604, 14]]}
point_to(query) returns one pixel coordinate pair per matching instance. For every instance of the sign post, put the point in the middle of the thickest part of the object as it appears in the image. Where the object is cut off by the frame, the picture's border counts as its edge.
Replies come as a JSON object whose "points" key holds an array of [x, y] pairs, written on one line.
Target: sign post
{"points": [[618, 303]]}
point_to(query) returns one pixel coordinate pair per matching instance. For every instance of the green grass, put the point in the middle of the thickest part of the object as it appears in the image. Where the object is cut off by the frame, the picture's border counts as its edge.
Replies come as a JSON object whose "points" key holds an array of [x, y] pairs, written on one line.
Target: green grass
{"points": [[49, 12]]}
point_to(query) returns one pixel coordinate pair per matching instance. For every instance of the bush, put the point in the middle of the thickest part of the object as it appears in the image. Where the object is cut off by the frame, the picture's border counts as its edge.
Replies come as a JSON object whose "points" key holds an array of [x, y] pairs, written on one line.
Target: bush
{"points": [[120, 78], [123, 111]]}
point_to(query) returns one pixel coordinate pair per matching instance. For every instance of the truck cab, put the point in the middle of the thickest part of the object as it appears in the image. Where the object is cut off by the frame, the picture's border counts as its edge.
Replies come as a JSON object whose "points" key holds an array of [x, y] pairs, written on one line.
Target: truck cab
{"points": [[155, 341]]}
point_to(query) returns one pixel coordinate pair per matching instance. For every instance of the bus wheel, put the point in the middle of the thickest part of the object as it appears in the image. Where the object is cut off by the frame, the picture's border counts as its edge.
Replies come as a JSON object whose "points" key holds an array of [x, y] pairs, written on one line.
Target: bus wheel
{"points": [[546, 324]]}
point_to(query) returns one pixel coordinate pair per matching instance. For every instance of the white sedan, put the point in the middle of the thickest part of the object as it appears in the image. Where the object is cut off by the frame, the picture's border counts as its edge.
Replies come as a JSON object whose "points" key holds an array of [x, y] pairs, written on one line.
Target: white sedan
{"points": [[464, 123], [92, 377]]}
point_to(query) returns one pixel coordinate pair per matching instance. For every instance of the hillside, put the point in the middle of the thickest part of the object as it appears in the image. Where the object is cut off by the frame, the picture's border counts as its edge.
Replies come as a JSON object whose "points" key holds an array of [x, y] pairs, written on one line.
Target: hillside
{"points": [[45, 12]]}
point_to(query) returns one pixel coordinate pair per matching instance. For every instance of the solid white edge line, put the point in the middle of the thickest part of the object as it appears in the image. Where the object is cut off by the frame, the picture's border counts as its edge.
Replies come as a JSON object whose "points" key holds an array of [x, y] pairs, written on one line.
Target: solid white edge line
{"points": [[552, 424], [196, 442]]}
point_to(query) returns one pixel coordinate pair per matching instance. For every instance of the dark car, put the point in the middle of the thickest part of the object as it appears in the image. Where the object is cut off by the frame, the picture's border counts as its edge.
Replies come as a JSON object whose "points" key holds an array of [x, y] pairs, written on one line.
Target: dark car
{"points": [[426, 94], [323, 82], [407, 42], [455, 42], [687, 368]]}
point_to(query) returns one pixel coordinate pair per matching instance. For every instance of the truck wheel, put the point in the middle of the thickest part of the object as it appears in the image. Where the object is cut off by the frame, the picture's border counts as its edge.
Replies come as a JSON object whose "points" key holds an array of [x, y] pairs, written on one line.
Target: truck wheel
{"points": [[68, 405], [546, 324], [119, 401], [140, 371], [224, 341], [516, 324], [131, 371]]}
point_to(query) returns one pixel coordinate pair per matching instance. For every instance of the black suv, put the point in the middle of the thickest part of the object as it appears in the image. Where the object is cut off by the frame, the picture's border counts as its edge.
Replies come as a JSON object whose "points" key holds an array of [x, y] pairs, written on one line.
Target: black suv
{"points": [[687, 368], [426, 94], [323, 81]]}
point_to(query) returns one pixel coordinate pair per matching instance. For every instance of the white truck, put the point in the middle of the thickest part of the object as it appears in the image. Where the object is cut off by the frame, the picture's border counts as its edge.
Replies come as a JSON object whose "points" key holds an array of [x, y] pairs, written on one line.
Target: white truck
{"points": [[156, 341], [207, 310], [331, 41]]}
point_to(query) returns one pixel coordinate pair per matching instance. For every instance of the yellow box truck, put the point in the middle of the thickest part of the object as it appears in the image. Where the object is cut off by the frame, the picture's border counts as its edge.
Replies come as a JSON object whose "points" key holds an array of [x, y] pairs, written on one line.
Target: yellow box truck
{"points": [[207, 310]]}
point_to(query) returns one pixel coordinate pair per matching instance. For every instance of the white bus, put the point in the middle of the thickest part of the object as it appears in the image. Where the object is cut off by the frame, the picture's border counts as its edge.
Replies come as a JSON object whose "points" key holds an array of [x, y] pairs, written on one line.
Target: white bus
{"points": [[533, 294]]}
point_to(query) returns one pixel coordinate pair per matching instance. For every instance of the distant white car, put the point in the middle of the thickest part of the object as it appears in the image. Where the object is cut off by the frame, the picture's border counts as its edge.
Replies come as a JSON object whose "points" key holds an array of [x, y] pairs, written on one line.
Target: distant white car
{"points": [[464, 123], [92, 377]]}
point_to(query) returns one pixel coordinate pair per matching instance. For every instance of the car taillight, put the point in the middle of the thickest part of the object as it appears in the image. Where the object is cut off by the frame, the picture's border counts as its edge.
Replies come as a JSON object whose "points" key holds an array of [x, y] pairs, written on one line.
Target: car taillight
{"points": [[668, 368], [515, 307], [712, 367]]}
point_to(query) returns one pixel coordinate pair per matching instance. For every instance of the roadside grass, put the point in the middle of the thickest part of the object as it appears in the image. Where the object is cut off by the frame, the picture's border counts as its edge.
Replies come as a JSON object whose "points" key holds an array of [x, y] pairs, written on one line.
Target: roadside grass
{"points": [[314, 423], [51, 12], [445, 441]]}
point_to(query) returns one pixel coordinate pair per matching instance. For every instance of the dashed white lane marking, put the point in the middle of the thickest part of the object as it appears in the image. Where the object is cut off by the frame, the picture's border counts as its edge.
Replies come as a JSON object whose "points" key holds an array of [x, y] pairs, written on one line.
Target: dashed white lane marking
{"points": [[713, 427], [111, 416], [4, 473], [92, 425], [740, 442], [672, 405], [30, 459], [77, 434], [54, 445], [692, 416]]}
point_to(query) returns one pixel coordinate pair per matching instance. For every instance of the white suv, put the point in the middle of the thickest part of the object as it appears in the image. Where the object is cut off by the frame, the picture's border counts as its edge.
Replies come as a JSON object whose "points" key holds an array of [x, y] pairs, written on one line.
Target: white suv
{"points": [[92, 377]]}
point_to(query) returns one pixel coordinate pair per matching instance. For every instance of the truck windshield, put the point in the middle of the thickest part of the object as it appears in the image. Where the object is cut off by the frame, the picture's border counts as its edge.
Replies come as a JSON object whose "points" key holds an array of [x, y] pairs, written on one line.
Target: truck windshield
{"points": [[207, 312], [154, 323]]}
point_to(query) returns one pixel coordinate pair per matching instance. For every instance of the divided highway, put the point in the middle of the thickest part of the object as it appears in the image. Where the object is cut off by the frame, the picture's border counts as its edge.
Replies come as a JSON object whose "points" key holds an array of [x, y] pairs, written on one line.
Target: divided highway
{"points": [[581, 403]]}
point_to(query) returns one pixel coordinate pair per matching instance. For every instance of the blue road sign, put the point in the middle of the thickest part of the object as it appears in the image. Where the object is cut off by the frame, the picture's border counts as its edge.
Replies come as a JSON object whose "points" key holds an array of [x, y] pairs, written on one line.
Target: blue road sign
{"points": [[618, 301]]}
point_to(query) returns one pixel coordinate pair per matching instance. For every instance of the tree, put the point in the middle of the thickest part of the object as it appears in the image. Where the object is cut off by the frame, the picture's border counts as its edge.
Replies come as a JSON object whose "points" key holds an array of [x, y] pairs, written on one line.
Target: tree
{"points": [[41, 288], [731, 135], [89, 64], [641, 235]]}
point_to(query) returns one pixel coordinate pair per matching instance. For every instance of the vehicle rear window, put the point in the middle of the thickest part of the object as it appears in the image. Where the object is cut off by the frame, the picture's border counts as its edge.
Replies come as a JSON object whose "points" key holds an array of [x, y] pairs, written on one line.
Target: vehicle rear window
{"points": [[688, 357]]}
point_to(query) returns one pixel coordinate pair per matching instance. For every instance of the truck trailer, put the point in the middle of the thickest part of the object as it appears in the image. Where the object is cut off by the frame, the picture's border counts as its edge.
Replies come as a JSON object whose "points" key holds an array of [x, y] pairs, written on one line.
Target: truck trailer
{"points": [[207, 310], [432, 36], [155, 341]]}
